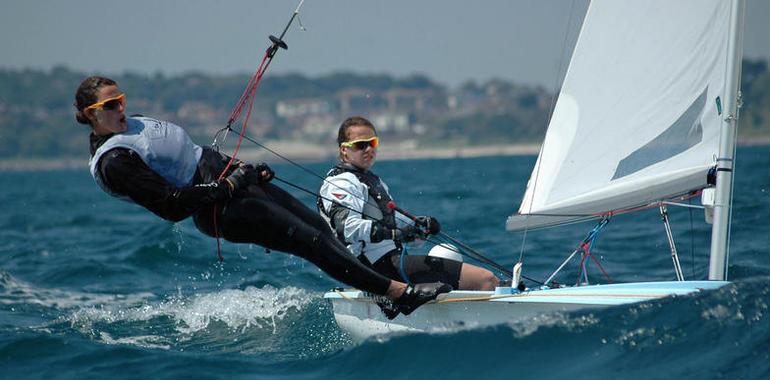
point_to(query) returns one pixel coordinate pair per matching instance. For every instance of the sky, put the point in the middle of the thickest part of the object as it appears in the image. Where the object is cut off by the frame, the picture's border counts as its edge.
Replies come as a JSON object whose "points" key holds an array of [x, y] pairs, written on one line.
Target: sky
{"points": [[450, 41]]}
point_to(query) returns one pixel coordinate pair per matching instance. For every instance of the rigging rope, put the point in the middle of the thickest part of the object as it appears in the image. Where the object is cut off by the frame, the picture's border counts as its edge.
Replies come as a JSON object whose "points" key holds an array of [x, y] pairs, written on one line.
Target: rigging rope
{"points": [[475, 255], [248, 97], [586, 246], [550, 115]]}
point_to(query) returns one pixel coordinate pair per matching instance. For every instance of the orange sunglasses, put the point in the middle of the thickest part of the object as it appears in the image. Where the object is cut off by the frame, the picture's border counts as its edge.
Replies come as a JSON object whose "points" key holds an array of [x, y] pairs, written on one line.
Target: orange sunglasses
{"points": [[112, 103]]}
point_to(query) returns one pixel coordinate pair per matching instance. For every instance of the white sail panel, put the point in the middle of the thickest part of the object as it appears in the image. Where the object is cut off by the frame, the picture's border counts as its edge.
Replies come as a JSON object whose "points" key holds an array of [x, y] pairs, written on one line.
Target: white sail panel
{"points": [[637, 119]]}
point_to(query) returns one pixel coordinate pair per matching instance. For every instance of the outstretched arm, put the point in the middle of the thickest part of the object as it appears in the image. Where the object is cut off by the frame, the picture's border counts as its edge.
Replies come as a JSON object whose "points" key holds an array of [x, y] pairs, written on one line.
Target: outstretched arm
{"points": [[125, 173]]}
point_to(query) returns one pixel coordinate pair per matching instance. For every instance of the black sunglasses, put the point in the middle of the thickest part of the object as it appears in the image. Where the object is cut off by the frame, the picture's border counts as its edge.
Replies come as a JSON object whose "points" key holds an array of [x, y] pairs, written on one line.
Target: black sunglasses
{"points": [[112, 105]]}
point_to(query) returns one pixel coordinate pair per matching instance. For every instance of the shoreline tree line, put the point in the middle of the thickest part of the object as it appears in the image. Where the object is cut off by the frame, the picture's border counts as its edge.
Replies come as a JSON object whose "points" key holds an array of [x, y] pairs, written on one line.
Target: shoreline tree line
{"points": [[36, 112]]}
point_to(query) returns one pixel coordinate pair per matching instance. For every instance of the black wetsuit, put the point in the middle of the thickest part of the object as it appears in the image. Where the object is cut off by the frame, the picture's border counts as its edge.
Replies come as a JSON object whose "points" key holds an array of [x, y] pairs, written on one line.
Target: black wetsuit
{"points": [[262, 214]]}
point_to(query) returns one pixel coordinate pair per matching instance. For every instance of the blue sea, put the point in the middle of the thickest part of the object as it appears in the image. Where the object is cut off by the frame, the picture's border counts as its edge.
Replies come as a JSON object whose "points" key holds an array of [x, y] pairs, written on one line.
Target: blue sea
{"points": [[93, 287]]}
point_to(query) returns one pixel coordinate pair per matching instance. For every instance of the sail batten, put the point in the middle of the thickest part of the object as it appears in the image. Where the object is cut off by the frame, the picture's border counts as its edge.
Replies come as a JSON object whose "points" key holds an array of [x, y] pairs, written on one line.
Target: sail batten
{"points": [[636, 119]]}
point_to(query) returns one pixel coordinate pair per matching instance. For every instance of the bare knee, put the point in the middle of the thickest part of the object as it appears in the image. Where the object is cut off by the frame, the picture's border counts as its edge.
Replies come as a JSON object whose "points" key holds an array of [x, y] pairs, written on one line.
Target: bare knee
{"points": [[475, 278], [488, 280]]}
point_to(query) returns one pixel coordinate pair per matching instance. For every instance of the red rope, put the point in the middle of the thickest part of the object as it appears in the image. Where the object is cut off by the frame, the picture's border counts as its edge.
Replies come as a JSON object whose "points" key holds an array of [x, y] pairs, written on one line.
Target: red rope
{"points": [[216, 232], [601, 268], [585, 247], [247, 96], [580, 269]]}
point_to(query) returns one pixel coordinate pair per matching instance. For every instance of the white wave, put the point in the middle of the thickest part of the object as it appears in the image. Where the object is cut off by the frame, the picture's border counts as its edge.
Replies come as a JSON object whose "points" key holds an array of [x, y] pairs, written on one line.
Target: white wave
{"points": [[145, 341], [569, 322], [520, 328], [16, 292], [237, 309], [135, 319]]}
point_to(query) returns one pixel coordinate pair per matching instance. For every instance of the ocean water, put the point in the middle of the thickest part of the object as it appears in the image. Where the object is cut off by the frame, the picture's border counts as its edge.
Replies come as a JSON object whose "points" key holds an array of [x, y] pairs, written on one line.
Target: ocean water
{"points": [[92, 287]]}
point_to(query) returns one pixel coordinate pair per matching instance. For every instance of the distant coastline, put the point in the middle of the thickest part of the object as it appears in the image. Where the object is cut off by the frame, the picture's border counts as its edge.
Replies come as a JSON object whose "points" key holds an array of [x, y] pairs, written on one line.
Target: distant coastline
{"points": [[304, 153]]}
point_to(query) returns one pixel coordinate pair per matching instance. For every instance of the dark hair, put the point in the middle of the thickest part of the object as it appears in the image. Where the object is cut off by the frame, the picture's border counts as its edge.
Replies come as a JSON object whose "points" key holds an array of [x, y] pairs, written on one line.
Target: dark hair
{"points": [[86, 95], [342, 134]]}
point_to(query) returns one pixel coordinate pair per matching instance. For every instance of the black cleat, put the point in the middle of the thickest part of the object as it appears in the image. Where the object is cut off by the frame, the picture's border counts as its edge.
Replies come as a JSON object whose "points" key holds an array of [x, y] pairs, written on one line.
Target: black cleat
{"points": [[418, 294]]}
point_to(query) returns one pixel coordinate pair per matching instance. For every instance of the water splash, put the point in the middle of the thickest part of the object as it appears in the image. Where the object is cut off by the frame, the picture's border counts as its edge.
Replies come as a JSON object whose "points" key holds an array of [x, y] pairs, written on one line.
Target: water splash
{"points": [[238, 309]]}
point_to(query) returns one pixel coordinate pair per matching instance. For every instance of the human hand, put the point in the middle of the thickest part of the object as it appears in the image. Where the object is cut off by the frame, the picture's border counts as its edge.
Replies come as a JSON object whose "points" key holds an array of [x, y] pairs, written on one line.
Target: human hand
{"points": [[264, 173], [408, 233], [430, 225], [240, 177]]}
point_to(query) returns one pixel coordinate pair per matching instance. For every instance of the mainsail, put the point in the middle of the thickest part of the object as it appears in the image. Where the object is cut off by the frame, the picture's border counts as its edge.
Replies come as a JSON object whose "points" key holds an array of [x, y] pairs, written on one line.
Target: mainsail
{"points": [[639, 113]]}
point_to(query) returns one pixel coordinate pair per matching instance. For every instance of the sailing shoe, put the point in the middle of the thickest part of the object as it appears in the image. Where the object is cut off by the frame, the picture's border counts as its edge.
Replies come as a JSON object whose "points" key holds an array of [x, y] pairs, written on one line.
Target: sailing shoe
{"points": [[388, 308], [416, 295]]}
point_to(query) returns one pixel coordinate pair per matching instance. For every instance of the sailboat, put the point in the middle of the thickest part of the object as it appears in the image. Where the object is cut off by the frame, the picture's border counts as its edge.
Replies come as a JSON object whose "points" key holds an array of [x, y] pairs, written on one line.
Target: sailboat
{"points": [[646, 117]]}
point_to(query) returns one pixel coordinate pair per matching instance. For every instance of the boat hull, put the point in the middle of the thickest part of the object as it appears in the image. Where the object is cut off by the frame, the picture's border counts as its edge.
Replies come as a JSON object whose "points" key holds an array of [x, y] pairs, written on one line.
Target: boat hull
{"points": [[358, 314]]}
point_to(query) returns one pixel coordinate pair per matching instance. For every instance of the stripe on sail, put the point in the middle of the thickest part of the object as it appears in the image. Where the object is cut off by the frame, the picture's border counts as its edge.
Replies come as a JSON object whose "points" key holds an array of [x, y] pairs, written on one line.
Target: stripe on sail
{"points": [[683, 134]]}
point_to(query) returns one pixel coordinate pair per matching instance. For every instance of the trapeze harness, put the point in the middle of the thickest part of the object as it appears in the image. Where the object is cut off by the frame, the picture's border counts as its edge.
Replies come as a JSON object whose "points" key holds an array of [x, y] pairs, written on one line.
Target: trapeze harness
{"points": [[164, 147]]}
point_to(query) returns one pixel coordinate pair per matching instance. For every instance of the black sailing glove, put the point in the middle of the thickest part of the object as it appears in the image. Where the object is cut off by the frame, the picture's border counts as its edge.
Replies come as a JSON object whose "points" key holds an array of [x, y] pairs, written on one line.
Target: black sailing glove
{"points": [[240, 177], [404, 234], [407, 234], [379, 232], [264, 173], [430, 225]]}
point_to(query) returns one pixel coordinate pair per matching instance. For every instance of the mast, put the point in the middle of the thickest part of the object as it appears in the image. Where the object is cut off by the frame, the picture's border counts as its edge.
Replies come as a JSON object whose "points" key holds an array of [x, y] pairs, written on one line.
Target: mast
{"points": [[720, 231]]}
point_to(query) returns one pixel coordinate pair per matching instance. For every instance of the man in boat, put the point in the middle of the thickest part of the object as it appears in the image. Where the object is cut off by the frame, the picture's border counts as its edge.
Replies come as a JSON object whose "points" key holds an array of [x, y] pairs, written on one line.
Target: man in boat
{"points": [[354, 200], [156, 165]]}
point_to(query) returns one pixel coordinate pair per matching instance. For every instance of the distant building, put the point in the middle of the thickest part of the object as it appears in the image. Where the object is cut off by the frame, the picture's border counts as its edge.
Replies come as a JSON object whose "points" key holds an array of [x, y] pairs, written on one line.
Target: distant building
{"points": [[358, 101], [198, 113], [319, 128], [391, 122], [407, 99], [295, 108]]}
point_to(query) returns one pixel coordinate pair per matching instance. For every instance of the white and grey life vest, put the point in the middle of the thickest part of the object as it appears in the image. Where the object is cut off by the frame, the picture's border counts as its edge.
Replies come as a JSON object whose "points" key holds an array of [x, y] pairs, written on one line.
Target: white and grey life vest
{"points": [[164, 147], [368, 195]]}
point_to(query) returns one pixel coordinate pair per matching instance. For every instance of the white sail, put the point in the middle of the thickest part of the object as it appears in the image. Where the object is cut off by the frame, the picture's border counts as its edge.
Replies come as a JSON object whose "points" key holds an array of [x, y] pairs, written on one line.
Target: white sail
{"points": [[638, 116]]}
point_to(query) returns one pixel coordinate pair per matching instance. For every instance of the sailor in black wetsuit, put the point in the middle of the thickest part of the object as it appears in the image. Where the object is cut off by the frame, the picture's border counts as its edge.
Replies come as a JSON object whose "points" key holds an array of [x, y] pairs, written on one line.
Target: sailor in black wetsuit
{"points": [[355, 202], [155, 164]]}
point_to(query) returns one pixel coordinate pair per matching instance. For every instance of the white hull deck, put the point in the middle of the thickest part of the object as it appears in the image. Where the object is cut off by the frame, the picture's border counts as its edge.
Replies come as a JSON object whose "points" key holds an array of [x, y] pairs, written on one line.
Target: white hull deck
{"points": [[358, 315]]}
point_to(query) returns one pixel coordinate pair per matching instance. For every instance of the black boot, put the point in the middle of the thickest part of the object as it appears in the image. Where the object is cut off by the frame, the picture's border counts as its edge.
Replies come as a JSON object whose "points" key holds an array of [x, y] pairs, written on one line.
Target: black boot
{"points": [[388, 308], [416, 295]]}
